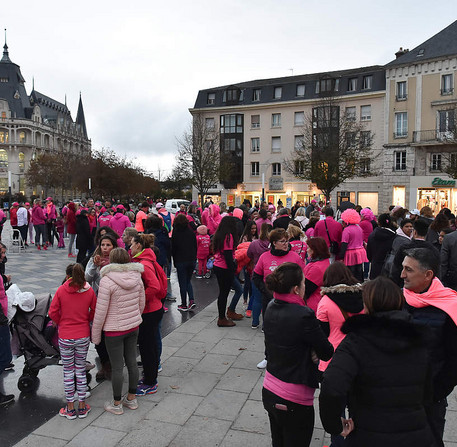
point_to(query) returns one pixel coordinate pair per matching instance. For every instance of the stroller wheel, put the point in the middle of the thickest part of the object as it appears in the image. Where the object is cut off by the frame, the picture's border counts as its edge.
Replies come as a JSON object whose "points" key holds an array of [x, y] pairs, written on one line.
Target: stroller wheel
{"points": [[26, 383], [88, 377]]}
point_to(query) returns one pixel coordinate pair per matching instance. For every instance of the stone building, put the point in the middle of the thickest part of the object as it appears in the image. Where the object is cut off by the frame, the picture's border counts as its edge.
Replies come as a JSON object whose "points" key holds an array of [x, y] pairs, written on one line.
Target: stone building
{"points": [[30, 124]]}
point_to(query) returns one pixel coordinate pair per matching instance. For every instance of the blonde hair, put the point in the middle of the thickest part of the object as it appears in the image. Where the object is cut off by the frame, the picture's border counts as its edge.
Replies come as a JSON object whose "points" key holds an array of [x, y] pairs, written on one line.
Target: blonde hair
{"points": [[294, 232], [119, 256]]}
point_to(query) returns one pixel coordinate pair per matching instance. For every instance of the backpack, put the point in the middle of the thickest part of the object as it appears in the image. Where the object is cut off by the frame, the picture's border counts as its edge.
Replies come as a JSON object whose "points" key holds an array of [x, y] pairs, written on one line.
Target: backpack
{"points": [[167, 221], [162, 277]]}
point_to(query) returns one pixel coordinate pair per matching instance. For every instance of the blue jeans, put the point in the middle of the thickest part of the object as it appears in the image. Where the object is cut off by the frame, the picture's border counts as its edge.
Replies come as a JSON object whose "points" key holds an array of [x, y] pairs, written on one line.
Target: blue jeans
{"points": [[238, 292], [184, 271], [256, 299], [5, 348], [247, 285]]}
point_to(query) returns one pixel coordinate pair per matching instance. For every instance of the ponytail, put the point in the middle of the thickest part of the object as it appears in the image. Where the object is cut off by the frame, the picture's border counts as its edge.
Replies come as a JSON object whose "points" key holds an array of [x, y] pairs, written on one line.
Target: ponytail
{"points": [[78, 277], [145, 240]]}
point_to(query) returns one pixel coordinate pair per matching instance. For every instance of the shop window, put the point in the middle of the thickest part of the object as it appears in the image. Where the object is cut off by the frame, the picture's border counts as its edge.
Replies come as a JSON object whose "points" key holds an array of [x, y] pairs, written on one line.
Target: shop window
{"points": [[369, 200], [399, 196], [255, 168], [276, 169], [400, 161], [435, 164], [255, 121]]}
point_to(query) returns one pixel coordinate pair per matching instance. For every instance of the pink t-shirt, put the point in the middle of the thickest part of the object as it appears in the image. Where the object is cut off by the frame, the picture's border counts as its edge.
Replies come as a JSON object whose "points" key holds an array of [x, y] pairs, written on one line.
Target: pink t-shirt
{"points": [[353, 235], [219, 260], [203, 243], [300, 248], [328, 311], [268, 263], [314, 271]]}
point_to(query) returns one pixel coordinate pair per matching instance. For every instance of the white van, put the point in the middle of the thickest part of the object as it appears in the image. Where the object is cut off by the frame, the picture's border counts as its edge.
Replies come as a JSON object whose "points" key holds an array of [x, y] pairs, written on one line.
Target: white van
{"points": [[172, 205]]}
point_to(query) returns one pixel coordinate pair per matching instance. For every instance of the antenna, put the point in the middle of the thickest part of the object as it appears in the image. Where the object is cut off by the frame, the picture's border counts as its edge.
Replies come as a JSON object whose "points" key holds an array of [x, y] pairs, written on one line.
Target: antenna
{"points": [[291, 71], [5, 36]]}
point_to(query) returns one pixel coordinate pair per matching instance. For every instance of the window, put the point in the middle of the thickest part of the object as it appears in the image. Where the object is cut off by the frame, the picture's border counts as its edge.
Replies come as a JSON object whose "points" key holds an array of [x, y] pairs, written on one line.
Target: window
{"points": [[4, 136], [255, 144], [365, 138], [232, 123], [22, 138], [352, 85], [255, 168], [276, 168], [299, 167], [275, 120], [365, 113], [327, 85], [277, 93], [401, 91], [298, 141], [255, 121], [256, 94], [401, 124], [351, 139], [3, 79], [300, 90], [400, 161], [299, 118], [232, 144], [435, 162], [209, 123], [211, 98], [3, 116], [231, 95], [365, 166], [453, 160], [446, 84], [446, 123], [367, 82], [21, 162], [276, 144], [3, 159], [350, 113]]}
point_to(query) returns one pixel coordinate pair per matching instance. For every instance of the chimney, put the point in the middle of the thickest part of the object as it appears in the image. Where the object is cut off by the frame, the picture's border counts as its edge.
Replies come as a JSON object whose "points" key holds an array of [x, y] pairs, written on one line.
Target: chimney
{"points": [[401, 52]]}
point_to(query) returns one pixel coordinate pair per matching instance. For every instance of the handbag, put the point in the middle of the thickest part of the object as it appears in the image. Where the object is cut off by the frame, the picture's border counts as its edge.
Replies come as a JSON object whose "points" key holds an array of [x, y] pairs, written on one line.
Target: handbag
{"points": [[333, 244], [210, 263]]}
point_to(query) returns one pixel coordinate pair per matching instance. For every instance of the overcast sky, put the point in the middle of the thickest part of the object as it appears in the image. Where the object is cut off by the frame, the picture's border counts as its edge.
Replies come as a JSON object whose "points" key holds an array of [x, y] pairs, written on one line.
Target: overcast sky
{"points": [[140, 64]]}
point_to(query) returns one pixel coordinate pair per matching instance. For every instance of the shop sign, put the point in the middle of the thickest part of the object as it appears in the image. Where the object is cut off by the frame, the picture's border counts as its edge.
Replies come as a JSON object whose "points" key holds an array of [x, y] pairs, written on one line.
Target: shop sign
{"points": [[276, 184], [437, 181], [289, 202]]}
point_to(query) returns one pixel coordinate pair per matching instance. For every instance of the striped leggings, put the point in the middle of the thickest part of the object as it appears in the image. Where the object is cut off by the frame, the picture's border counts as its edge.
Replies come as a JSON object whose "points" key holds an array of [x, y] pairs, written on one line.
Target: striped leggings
{"points": [[73, 354]]}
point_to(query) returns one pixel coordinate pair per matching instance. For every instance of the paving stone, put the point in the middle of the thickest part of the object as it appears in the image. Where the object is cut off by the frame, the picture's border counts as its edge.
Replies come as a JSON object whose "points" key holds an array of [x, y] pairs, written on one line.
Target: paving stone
{"points": [[257, 344], [242, 380], [147, 434], [229, 347], [211, 334], [198, 383], [98, 437], [175, 339], [215, 363], [175, 408], [167, 352], [450, 428], [236, 438], [35, 441], [192, 327], [248, 360], [256, 393], [318, 438], [252, 418], [177, 366], [222, 404], [195, 349], [201, 431], [241, 333]]}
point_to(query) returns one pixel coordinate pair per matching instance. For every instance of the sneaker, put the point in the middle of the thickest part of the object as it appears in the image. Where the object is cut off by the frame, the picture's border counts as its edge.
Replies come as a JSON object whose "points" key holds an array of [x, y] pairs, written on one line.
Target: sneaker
{"points": [[165, 309], [6, 399], [45, 247], [83, 412], [115, 409], [71, 255], [170, 298], [262, 364], [10, 367], [255, 326], [38, 247], [143, 390], [192, 305], [183, 308], [130, 404], [199, 277], [248, 313], [66, 413], [160, 368]]}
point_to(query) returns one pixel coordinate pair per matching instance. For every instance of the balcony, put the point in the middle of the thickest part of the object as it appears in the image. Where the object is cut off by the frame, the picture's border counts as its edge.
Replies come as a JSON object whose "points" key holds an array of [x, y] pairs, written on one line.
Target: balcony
{"points": [[434, 136]]}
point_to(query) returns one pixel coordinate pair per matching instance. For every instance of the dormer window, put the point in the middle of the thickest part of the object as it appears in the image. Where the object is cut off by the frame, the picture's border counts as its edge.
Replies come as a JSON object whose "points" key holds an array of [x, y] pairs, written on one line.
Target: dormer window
{"points": [[277, 93], [3, 79], [231, 95], [211, 98]]}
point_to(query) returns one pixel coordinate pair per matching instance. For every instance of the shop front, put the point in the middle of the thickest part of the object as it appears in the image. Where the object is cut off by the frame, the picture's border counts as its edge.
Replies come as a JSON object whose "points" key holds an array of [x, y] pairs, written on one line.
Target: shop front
{"points": [[435, 192]]}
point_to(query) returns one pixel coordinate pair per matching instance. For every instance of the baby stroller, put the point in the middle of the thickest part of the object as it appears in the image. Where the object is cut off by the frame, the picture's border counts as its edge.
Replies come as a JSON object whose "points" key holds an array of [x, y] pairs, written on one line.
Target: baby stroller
{"points": [[34, 342]]}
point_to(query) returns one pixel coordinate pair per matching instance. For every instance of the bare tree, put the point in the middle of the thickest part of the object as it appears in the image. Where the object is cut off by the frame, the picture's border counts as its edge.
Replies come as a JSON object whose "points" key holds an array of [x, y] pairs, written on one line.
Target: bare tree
{"points": [[199, 155], [334, 148]]}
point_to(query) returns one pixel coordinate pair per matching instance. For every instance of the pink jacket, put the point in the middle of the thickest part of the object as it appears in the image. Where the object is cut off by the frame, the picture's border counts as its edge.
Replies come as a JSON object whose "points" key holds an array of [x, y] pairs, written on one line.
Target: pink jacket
{"points": [[38, 216], [104, 220], [214, 218], [120, 301], [335, 230], [203, 244], [119, 223], [314, 272]]}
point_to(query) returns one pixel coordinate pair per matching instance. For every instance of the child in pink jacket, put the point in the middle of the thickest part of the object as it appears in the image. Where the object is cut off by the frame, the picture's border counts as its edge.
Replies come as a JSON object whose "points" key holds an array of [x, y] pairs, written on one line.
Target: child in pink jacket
{"points": [[203, 245]]}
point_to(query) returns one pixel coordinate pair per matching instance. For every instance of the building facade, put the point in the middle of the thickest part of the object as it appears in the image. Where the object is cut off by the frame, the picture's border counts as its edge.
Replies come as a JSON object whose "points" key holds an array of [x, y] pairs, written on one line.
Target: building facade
{"points": [[408, 106], [30, 124]]}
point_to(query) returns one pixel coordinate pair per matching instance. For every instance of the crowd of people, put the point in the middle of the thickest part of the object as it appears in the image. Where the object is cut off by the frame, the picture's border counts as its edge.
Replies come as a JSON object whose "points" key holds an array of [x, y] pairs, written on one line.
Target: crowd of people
{"points": [[363, 307]]}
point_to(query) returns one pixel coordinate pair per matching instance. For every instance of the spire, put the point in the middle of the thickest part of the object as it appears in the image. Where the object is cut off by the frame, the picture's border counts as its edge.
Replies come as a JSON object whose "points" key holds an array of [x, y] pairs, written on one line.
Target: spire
{"points": [[5, 57], [33, 83], [80, 120], [65, 100]]}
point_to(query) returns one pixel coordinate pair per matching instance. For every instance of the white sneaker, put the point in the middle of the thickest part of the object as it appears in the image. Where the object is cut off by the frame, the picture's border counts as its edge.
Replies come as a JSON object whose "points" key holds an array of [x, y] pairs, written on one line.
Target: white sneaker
{"points": [[115, 409], [130, 404], [262, 364]]}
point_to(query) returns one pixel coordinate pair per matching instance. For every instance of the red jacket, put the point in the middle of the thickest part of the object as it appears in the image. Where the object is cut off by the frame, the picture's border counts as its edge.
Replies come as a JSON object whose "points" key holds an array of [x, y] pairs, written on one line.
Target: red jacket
{"points": [[13, 217], [152, 287], [71, 218]]}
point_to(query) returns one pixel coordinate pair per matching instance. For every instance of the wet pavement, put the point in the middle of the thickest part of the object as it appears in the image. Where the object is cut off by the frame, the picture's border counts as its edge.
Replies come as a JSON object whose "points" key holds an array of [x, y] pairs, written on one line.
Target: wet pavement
{"points": [[42, 272]]}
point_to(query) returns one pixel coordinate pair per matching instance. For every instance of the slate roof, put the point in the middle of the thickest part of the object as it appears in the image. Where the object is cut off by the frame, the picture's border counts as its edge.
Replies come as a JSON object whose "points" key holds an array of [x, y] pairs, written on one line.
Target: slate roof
{"points": [[440, 45], [50, 108], [80, 120]]}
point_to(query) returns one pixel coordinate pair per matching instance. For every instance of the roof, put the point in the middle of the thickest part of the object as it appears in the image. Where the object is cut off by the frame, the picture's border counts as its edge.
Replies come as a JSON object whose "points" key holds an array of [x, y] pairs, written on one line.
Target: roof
{"points": [[80, 120], [440, 45]]}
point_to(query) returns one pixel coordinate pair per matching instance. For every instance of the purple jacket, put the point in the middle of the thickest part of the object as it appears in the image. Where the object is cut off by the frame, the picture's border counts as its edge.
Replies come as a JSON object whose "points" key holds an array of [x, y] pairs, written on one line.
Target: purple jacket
{"points": [[256, 249], [38, 215]]}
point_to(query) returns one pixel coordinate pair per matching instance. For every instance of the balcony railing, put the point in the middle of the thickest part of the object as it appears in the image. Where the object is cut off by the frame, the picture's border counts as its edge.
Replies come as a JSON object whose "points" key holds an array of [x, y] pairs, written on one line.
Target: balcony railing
{"points": [[434, 136]]}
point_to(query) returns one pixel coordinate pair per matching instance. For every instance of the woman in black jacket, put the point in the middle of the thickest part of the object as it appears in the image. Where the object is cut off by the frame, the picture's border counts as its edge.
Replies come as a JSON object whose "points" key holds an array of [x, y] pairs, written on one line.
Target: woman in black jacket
{"points": [[184, 252], [84, 237], [294, 341], [382, 370]]}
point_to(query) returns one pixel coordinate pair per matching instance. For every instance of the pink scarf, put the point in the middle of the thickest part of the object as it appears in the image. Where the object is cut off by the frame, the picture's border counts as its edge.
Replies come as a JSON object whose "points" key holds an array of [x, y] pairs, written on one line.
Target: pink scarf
{"points": [[437, 295], [290, 298]]}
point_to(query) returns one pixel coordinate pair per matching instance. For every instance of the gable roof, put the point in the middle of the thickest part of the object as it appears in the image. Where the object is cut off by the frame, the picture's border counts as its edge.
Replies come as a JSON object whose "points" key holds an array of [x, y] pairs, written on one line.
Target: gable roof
{"points": [[440, 45]]}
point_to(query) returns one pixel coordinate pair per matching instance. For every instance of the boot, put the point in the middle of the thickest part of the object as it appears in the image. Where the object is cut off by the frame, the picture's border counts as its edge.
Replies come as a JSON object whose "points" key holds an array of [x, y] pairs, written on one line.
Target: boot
{"points": [[225, 322], [233, 315]]}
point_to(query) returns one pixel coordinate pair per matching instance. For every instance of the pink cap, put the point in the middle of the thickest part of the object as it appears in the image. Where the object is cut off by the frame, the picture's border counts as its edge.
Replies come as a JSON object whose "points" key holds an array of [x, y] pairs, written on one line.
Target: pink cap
{"points": [[15, 204], [159, 205], [49, 199], [120, 207]]}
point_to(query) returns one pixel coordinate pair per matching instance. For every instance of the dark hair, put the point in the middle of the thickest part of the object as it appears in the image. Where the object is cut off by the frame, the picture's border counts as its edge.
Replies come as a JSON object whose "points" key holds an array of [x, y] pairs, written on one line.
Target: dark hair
{"points": [[328, 211], [426, 259], [78, 277], [312, 222], [426, 211], [105, 236], [382, 295], [404, 222], [339, 273], [421, 227], [277, 234], [145, 240], [247, 230], [153, 222], [440, 222], [108, 230], [385, 220], [226, 226], [265, 229], [285, 277], [263, 213], [319, 247], [447, 230], [119, 256], [283, 212], [180, 222], [145, 205]]}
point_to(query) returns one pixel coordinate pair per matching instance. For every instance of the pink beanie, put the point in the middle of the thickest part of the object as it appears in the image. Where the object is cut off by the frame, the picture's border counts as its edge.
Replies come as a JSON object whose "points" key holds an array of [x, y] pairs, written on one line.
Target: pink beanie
{"points": [[238, 213], [367, 214], [351, 216], [202, 230]]}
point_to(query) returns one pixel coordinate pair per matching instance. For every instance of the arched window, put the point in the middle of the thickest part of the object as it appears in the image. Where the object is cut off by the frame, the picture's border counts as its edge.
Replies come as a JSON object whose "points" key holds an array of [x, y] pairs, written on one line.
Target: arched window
{"points": [[21, 162], [22, 138], [3, 160]]}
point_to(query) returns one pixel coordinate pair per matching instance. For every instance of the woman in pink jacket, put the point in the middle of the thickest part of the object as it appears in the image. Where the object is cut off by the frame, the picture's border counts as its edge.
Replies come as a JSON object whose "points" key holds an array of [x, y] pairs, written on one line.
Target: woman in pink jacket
{"points": [[214, 218], [120, 304]]}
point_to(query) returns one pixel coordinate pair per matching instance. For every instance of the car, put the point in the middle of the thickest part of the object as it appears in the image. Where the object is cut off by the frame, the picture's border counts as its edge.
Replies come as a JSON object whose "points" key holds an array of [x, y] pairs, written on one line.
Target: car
{"points": [[172, 205]]}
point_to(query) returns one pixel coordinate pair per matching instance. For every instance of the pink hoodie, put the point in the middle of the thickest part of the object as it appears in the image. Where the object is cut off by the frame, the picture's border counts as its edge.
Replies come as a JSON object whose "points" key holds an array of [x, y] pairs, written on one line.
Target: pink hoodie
{"points": [[214, 218], [119, 223]]}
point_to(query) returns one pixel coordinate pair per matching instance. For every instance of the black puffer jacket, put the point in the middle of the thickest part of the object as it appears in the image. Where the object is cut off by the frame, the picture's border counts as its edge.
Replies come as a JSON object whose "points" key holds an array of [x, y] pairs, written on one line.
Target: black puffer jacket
{"points": [[291, 333], [378, 246], [382, 370]]}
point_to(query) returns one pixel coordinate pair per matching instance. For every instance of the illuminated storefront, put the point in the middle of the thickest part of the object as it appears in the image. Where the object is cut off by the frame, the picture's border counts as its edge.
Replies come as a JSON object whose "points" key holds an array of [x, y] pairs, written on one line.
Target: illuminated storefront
{"points": [[435, 192]]}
